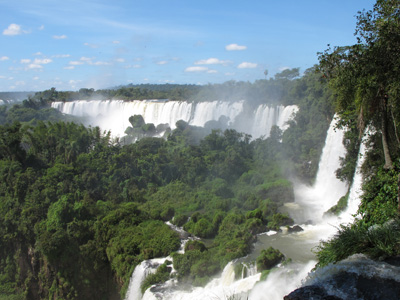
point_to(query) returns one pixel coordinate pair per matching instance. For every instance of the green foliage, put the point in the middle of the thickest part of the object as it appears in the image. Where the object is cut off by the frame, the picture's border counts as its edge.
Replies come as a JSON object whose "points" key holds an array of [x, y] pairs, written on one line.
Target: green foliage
{"points": [[161, 275], [268, 259], [378, 241], [340, 206]]}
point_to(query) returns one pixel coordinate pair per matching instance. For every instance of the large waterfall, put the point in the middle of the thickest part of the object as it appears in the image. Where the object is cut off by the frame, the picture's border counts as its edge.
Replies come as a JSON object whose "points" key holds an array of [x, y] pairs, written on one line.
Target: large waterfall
{"points": [[312, 202], [114, 114]]}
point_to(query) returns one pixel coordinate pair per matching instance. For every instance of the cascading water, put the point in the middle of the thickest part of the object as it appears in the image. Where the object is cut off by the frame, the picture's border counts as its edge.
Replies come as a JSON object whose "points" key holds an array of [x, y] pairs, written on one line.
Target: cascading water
{"points": [[284, 279], [114, 114], [355, 191], [310, 204], [314, 201]]}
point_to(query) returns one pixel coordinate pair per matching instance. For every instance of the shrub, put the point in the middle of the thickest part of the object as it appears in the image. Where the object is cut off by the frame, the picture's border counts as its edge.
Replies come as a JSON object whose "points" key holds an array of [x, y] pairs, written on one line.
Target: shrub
{"points": [[268, 259]]}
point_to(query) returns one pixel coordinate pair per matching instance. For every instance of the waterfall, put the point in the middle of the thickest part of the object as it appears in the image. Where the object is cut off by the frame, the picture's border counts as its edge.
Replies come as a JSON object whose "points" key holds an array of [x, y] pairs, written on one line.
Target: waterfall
{"points": [[222, 287], [356, 187], [310, 201], [327, 190], [145, 268], [114, 114]]}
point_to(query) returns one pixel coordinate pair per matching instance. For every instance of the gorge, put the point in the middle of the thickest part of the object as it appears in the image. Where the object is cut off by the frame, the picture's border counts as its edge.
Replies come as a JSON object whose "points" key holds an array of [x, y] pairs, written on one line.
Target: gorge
{"points": [[311, 202]]}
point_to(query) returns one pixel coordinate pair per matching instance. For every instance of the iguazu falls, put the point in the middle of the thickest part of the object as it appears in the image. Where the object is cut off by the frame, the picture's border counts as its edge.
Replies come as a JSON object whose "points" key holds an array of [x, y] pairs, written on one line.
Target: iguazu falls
{"points": [[156, 150]]}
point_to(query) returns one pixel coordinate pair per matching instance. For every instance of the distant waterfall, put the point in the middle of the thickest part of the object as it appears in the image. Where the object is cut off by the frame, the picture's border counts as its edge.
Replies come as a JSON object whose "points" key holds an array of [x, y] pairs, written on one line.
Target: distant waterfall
{"points": [[114, 114]]}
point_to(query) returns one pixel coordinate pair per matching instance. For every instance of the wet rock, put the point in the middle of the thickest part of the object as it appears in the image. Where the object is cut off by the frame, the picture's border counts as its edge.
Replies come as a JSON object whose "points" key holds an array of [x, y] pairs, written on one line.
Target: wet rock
{"points": [[354, 278], [310, 292], [295, 228]]}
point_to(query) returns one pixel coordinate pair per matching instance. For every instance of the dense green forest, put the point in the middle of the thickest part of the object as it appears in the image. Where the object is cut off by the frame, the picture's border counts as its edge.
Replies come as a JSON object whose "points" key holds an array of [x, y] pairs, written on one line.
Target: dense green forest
{"points": [[79, 210]]}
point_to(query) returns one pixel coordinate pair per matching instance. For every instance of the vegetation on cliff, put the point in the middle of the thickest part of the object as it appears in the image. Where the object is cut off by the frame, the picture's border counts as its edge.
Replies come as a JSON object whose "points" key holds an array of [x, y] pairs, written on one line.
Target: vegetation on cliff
{"points": [[365, 80]]}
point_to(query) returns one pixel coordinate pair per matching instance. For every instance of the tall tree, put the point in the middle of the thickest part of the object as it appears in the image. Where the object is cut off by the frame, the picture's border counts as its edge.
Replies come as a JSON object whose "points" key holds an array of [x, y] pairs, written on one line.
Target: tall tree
{"points": [[365, 76]]}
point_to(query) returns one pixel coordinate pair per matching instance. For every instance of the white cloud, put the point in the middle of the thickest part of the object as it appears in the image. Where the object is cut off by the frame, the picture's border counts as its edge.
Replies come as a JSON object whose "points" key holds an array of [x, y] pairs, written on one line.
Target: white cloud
{"points": [[61, 55], [43, 61], [25, 61], [13, 29], [99, 63], [229, 74], [59, 37], [163, 62], [212, 71], [41, 27], [212, 61], [283, 68], [2, 77], [83, 58], [120, 60], [69, 67], [38, 53], [34, 66], [235, 47], [247, 65], [196, 69], [75, 63], [3, 58], [116, 42], [35, 78]]}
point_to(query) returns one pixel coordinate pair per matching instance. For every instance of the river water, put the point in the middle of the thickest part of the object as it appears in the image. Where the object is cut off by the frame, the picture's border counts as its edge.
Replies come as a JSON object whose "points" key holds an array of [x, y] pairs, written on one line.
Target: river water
{"points": [[308, 211]]}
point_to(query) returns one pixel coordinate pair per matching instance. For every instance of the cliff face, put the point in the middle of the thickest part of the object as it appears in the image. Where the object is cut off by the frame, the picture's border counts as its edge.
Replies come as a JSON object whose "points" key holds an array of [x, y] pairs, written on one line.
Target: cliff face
{"points": [[38, 279], [354, 278]]}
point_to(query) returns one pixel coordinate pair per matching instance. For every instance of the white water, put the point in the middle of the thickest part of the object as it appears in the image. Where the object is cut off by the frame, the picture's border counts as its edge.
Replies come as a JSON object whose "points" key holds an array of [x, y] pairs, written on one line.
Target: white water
{"points": [[145, 268], [219, 288], [355, 191], [284, 280], [114, 114], [298, 246], [313, 201]]}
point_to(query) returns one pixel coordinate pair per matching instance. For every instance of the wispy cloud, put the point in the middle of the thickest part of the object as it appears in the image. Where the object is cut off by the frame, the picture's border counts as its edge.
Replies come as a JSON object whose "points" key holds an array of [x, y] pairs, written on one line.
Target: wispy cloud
{"points": [[212, 61], [61, 55], [247, 65], [14, 29], [76, 63], [36, 63], [235, 47], [94, 46], [3, 58], [163, 62], [196, 69], [59, 37], [132, 66]]}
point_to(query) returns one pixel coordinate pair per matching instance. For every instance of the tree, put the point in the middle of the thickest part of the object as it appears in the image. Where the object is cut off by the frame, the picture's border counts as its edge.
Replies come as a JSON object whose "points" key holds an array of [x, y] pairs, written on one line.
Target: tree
{"points": [[365, 76], [266, 73]]}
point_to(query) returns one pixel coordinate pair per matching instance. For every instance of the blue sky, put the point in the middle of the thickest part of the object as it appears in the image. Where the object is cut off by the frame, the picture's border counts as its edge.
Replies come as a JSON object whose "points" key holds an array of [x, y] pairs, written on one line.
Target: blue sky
{"points": [[97, 44]]}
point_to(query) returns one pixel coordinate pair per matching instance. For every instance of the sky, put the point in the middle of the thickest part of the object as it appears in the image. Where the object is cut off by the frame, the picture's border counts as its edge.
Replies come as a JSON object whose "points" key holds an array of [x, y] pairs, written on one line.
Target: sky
{"points": [[73, 44]]}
